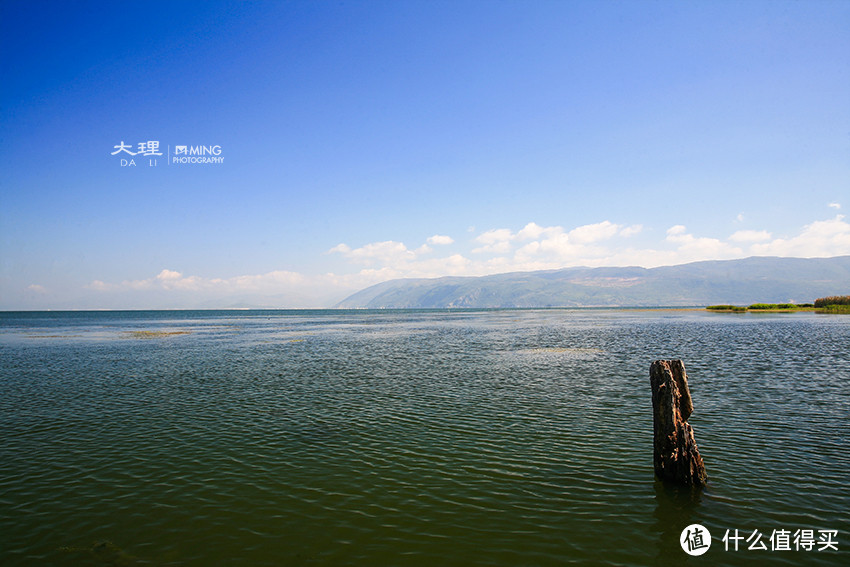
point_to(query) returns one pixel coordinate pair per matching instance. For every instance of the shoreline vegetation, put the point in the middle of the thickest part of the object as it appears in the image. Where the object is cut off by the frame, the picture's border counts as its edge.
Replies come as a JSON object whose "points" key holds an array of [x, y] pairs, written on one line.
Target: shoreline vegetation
{"points": [[832, 304]]}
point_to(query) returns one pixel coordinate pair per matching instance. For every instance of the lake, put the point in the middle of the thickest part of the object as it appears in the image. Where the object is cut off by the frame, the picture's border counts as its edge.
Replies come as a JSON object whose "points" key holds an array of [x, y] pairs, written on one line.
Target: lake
{"points": [[484, 437]]}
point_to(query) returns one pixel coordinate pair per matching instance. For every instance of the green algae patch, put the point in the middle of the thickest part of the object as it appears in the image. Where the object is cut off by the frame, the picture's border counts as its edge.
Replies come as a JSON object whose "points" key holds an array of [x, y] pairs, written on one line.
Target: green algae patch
{"points": [[561, 350], [155, 334], [103, 553], [53, 336]]}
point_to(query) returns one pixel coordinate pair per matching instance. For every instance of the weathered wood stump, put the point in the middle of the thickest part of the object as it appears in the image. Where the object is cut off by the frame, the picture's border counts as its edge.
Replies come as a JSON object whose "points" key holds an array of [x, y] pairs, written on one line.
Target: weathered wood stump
{"points": [[675, 456]]}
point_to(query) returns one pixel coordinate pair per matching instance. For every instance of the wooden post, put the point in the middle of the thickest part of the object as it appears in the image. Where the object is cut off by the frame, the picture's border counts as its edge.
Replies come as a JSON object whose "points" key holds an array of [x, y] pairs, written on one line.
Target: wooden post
{"points": [[675, 453]]}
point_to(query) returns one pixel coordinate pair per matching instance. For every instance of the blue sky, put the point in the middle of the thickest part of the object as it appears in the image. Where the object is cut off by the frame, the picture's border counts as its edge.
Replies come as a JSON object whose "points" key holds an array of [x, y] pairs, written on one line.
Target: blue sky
{"points": [[365, 141]]}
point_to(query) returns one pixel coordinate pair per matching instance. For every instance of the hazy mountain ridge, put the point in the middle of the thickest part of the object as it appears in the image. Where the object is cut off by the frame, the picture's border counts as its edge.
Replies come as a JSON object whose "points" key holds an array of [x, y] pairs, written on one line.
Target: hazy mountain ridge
{"points": [[750, 280]]}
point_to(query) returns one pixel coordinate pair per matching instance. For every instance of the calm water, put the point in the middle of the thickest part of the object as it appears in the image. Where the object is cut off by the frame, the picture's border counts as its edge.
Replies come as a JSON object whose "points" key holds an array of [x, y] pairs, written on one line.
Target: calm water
{"points": [[412, 437]]}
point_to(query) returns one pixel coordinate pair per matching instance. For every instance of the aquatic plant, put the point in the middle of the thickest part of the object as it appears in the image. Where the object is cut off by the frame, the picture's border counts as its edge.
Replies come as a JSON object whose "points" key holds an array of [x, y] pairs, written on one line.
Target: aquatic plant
{"points": [[832, 300], [733, 308], [761, 307], [834, 309]]}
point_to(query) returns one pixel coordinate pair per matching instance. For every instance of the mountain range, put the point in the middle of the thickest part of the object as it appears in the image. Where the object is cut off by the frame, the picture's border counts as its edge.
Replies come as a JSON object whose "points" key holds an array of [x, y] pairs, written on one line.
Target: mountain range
{"points": [[740, 282]]}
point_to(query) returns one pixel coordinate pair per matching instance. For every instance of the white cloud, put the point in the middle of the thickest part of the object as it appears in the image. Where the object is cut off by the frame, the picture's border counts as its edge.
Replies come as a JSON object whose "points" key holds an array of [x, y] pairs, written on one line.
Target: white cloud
{"points": [[818, 239], [495, 241], [690, 248], [549, 247], [171, 280], [533, 231], [834, 205], [386, 251], [631, 230], [530, 231], [502, 247], [271, 288], [673, 231], [267, 281], [546, 239], [494, 236], [593, 232], [37, 288], [534, 247], [340, 248], [169, 275], [750, 236], [440, 239]]}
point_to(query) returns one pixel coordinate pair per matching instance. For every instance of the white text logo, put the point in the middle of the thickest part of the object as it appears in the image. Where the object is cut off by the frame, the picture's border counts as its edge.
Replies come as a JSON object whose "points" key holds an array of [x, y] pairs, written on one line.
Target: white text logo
{"points": [[182, 154]]}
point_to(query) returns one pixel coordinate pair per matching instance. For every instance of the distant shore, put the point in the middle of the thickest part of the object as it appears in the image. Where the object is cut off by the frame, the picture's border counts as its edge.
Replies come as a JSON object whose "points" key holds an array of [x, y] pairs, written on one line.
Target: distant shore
{"points": [[833, 304]]}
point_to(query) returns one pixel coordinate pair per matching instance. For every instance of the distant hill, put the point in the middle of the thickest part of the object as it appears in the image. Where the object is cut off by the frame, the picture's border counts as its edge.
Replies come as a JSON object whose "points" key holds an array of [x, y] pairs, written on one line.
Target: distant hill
{"points": [[751, 280]]}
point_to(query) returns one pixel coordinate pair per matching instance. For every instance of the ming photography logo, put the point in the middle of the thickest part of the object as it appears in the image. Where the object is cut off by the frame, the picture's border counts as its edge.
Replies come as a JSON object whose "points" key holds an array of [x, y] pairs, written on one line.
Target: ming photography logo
{"points": [[135, 155]]}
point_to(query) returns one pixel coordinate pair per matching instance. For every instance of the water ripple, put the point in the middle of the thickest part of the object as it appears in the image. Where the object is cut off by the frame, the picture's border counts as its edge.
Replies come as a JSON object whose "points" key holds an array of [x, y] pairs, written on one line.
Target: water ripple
{"points": [[409, 438]]}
